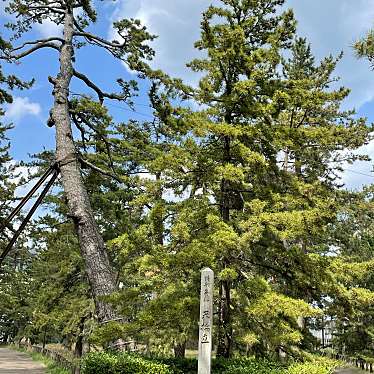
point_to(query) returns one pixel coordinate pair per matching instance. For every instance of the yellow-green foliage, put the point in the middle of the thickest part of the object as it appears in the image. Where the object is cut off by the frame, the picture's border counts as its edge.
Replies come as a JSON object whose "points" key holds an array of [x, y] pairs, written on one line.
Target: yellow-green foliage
{"points": [[277, 315], [316, 366]]}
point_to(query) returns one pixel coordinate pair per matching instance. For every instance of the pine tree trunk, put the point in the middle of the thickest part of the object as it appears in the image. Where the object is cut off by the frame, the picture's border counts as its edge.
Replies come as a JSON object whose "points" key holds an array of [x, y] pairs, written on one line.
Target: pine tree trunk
{"points": [[180, 350], [224, 348], [98, 269]]}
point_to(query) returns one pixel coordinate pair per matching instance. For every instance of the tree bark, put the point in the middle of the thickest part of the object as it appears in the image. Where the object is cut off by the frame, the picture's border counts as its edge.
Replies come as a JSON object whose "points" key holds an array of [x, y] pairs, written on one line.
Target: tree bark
{"points": [[98, 269], [180, 349]]}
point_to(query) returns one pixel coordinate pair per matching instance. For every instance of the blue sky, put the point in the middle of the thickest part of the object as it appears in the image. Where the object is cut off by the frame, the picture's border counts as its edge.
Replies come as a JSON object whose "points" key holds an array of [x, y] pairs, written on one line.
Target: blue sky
{"points": [[331, 26]]}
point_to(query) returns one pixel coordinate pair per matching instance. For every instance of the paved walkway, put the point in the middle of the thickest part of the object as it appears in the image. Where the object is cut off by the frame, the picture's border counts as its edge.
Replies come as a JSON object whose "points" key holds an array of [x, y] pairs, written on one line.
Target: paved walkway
{"points": [[13, 362]]}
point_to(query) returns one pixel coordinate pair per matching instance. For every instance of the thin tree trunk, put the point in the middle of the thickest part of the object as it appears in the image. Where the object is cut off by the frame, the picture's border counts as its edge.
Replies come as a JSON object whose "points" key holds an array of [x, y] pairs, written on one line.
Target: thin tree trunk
{"points": [[44, 337], [78, 349], [91, 243], [298, 165], [158, 219]]}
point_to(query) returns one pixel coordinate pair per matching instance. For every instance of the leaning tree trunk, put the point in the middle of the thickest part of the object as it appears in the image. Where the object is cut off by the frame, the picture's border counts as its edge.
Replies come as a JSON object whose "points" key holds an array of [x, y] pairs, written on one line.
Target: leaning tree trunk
{"points": [[98, 269]]}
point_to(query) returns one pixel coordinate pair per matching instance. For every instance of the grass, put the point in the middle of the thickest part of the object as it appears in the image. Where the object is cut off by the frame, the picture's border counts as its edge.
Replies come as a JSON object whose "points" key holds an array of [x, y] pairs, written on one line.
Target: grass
{"points": [[59, 348], [51, 366]]}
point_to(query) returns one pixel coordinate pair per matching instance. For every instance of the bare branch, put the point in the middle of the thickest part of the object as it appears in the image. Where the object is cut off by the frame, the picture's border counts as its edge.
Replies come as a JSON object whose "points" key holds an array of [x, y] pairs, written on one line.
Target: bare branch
{"points": [[99, 170], [37, 42], [30, 51], [46, 8], [101, 94], [81, 129], [100, 41]]}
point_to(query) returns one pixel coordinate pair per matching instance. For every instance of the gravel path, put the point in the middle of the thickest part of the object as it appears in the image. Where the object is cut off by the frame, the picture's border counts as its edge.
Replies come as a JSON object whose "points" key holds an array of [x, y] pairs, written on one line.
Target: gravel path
{"points": [[13, 362]]}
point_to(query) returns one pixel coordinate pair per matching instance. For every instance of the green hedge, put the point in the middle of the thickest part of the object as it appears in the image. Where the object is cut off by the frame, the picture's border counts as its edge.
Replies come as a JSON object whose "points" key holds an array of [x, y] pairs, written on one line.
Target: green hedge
{"points": [[123, 363]]}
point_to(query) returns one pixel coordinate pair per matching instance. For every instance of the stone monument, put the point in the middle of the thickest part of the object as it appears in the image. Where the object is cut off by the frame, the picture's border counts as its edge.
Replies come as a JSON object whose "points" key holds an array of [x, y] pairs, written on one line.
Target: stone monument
{"points": [[206, 321]]}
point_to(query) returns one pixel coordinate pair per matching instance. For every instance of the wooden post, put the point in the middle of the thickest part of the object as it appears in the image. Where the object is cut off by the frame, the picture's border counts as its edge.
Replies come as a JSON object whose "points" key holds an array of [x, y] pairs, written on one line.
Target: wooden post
{"points": [[206, 321]]}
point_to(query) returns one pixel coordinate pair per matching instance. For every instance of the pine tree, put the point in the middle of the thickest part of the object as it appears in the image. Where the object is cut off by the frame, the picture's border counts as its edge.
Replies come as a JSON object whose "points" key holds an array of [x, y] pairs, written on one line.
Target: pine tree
{"points": [[75, 16], [261, 219], [153, 293], [59, 302], [243, 42], [351, 302]]}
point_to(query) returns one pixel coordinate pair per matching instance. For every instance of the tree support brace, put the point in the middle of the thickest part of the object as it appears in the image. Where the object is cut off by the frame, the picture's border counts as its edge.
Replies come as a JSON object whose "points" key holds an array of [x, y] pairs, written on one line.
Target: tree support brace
{"points": [[54, 170]]}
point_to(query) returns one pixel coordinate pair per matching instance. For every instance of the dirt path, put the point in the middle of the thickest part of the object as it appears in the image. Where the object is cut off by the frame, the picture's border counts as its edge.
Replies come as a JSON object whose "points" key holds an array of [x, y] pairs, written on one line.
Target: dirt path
{"points": [[13, 362], [349, 371]]}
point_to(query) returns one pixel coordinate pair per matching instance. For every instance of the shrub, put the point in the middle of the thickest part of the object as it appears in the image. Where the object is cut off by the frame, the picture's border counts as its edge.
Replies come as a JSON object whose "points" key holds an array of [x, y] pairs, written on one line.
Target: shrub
{"points": [[179, 365], [242, 365], [317, 366], [99, 363], [122, 363], [102, 362], [246, 366]]}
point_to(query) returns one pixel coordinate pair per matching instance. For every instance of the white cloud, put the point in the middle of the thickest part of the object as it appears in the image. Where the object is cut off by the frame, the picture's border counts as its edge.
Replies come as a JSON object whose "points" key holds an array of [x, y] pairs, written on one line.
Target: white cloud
{"points": [[360, 173], [21, 107], [177, 24], [48, 29], [333, 26]]}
